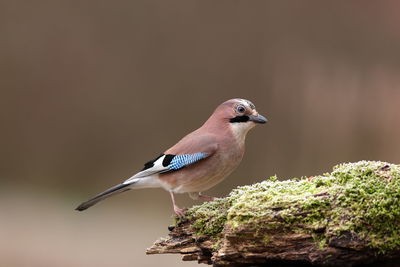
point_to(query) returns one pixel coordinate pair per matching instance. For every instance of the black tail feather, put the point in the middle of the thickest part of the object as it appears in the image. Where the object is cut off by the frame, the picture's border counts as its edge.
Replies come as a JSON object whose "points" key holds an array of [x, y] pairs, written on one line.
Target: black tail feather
{"points": [[112, 191]]}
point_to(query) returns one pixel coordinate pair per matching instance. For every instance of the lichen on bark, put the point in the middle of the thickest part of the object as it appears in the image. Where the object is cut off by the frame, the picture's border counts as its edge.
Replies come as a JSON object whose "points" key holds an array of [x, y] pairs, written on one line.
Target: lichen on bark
{"points": [[353, 211]]}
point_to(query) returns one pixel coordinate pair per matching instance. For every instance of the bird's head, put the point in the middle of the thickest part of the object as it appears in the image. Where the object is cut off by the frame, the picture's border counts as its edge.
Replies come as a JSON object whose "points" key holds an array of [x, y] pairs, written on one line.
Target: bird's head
{"points": [[240, 115]]}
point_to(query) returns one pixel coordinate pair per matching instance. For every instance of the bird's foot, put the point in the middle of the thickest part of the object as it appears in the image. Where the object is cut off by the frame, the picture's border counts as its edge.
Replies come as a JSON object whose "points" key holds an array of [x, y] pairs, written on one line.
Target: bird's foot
{"points": [[207, 198], [179, 212]]}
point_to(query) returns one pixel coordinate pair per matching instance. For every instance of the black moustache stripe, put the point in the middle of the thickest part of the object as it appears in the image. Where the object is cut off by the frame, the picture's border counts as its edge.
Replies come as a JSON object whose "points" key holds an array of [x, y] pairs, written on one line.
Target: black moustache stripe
{"points": [[240, 119]]}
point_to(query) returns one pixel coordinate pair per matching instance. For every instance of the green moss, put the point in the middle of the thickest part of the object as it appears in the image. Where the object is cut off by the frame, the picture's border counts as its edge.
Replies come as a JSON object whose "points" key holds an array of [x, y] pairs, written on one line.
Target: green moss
{"points": [[266, 240], [320, 240], [361, 198], [217, 244], [210, 217]]}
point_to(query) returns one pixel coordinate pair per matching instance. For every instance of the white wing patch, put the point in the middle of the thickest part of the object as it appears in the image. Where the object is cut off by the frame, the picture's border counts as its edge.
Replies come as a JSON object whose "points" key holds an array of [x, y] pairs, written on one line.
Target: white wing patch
{"points": [[157, 168]]}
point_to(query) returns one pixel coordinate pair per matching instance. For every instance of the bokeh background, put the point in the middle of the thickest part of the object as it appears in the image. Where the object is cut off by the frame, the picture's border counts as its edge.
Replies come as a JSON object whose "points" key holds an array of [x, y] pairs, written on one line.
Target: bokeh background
{"points": [[90, 90]]}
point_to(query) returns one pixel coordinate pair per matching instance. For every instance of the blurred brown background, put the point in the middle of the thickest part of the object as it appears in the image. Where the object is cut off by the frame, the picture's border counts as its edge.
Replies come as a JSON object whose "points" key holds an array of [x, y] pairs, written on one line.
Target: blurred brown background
{"points": [[90, 90]]}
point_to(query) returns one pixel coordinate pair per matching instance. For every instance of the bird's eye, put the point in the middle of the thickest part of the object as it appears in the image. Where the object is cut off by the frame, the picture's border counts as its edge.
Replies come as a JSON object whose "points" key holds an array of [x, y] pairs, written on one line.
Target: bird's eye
{"points": [[240, 109]]}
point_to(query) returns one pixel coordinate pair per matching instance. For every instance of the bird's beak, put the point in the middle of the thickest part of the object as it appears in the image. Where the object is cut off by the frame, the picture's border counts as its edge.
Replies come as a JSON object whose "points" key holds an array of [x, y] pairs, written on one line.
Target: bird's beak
{"points": [[258, 119]]}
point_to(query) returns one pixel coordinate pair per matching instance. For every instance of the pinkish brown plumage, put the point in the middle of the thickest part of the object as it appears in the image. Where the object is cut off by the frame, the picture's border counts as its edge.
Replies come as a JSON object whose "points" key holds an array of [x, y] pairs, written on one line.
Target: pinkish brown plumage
{"points": [[198, 161]]}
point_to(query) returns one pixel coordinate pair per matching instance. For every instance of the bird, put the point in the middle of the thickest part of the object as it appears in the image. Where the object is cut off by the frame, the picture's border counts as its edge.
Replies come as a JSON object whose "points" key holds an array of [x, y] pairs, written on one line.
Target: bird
{"points": [[200, 160]]}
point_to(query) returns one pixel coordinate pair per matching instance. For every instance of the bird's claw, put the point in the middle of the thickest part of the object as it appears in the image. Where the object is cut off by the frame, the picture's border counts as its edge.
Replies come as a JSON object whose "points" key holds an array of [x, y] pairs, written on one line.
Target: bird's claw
{"points": [[179, 212]]}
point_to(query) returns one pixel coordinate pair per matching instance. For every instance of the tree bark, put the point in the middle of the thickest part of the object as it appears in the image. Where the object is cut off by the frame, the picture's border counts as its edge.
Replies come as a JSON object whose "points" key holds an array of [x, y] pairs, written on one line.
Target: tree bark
{"points": [[244, 247], [349, 217]]}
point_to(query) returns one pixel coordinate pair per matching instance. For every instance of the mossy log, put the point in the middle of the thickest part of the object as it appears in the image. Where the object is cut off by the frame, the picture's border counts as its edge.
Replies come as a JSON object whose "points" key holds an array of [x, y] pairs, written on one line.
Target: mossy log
{"points": [[348, 217]]}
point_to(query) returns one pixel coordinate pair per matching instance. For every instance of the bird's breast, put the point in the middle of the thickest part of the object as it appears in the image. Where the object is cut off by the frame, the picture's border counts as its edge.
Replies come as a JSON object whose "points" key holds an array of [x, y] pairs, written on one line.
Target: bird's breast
{"points": [[204, 174]]}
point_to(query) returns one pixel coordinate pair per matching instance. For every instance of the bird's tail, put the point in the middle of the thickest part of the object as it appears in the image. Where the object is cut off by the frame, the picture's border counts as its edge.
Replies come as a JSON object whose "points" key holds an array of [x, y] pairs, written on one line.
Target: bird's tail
{"points": [[108, 193]]}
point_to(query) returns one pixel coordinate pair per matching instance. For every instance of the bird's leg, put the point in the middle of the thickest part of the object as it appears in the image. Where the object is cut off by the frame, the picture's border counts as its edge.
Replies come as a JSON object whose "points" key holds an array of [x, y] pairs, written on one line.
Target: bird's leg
{"points": [[198, 195], [194, 195], [206, 198], [178, 211]]}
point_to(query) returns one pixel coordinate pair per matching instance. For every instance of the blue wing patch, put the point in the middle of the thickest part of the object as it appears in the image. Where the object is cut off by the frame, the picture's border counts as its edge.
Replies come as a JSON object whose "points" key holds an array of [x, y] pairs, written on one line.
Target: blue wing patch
{"points": [[180, 161]]}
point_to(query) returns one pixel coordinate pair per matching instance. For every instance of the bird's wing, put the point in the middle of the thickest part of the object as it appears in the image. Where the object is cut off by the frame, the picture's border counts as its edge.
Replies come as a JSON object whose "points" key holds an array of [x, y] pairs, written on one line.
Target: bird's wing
{"points": [[167, 163], [190, 149]]}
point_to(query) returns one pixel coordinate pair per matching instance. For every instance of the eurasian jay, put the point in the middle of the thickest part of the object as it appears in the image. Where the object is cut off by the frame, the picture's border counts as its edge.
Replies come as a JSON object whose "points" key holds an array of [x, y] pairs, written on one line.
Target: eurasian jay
{"points": [[198, 161]]}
